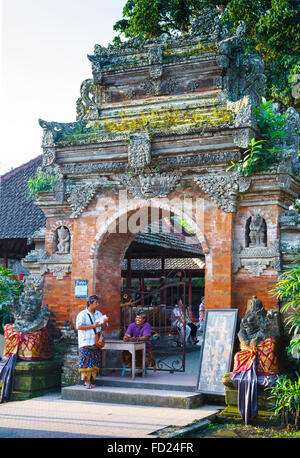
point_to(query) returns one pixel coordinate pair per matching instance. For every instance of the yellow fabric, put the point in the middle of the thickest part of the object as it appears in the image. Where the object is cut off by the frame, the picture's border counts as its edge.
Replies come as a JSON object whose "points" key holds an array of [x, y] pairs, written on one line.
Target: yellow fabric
{"points": [[30, 346], [267, 357]]}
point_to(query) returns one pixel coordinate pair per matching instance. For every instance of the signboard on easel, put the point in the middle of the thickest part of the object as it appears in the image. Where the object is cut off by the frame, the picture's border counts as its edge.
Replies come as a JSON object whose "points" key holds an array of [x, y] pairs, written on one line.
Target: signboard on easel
{"points": [[216, 350]]}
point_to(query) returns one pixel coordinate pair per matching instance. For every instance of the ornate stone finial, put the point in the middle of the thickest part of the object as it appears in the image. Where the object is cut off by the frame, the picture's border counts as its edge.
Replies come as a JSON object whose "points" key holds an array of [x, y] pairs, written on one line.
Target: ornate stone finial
{"points": [[253, 81], [86, 105], [96, 68], [289, 155], [208, 24], [27, 309]]}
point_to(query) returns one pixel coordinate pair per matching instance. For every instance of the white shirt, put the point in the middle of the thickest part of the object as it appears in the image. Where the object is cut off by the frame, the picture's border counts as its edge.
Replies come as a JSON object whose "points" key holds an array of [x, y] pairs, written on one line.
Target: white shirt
{"points": [[87, 338], [177, 315]]}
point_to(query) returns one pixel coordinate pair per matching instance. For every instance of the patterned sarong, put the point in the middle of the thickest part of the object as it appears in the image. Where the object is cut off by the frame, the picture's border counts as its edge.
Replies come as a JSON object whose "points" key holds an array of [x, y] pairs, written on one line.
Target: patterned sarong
{"points": [[29, 347], [89, 362], [250, 365], [267, 353]]}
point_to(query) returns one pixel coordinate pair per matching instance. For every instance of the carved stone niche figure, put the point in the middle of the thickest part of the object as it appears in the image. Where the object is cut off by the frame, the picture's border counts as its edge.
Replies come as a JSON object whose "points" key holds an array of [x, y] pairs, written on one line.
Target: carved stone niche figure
{"points": [[256, 231], [62, 240], [258, 324]]}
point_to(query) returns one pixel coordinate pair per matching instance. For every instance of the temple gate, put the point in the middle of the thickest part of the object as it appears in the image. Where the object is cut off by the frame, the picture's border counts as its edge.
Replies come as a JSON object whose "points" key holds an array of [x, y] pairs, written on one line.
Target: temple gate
{"points": [[157, 126]]}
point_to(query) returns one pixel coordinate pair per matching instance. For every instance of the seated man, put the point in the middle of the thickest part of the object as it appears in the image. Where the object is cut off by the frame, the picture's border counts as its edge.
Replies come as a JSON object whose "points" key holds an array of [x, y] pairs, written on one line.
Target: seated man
{"points": [[139, 331]]}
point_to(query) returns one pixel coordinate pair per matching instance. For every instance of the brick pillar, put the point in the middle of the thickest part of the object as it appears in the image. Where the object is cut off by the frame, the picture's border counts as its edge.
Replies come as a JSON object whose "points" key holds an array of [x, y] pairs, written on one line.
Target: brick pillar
{"points": [[218, 229]]}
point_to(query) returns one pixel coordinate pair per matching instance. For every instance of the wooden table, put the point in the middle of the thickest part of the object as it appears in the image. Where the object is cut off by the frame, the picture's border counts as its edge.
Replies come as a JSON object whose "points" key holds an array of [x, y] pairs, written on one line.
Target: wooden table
{"points": [[132, 347]]}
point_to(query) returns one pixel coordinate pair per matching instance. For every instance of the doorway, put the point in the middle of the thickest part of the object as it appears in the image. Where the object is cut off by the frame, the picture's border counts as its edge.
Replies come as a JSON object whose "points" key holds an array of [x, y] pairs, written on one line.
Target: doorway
{"points": [[164, 263]]}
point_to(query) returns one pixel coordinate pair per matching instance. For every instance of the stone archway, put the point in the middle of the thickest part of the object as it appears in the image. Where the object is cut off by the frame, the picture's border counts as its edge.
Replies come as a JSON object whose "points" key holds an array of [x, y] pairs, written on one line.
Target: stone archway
{"points": [[109, 248]]}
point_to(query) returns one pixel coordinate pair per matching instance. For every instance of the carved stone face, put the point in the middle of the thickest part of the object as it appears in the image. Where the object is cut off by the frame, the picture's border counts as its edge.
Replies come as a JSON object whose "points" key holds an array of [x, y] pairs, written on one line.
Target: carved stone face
{"points": [[256, 219], [29, 313], [150, 186]]}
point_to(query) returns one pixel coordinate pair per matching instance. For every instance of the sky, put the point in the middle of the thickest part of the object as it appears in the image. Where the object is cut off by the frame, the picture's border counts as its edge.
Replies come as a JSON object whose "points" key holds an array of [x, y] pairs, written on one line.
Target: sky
{"points": [[43, 57]]}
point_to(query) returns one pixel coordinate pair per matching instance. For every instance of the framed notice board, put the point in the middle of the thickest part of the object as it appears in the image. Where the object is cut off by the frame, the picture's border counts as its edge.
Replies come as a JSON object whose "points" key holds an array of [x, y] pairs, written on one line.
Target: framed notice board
{"points": [[81, 289], [216, 349]]}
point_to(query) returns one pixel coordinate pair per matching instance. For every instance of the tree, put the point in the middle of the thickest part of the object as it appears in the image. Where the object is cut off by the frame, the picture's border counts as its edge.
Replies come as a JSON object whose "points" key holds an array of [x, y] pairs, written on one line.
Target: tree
{"points": [[150, 18], [273, 30]]}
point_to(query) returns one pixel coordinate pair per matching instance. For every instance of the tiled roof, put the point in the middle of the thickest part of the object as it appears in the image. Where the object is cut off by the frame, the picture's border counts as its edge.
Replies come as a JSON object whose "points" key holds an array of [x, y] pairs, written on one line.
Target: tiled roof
{"points": [[164, 235], [170, 264], [19, 217]]}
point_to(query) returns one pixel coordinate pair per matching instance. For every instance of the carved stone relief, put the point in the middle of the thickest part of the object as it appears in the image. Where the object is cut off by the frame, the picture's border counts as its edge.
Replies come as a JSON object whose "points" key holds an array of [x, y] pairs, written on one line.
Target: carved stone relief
{"points": [[49, 156], [223, 189], [40, 262], [139, 150], [257, 253], [79, 196], [159, 86], [58, 269], [256, 259], [150, 183]]}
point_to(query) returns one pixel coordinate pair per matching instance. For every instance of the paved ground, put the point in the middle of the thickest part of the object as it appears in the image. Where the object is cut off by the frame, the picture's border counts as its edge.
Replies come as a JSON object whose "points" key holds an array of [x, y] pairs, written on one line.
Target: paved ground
{"points": [[51, 417]]}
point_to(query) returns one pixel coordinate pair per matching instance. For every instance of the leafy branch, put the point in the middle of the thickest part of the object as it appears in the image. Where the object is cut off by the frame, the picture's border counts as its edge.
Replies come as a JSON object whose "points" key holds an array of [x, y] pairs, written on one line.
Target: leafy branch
{"points": [[285, 395], [262, 153], [288, 289], [39, 184]]}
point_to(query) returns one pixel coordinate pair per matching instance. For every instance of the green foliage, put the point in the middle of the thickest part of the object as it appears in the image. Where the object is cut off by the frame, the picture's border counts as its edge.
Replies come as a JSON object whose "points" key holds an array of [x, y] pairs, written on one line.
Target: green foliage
{"points": [[271, 123], [273, 31], [288, 289], [263, 152], [296, 204], [9, 287], [39, 184], [285, 395], [293, 321], [150, 18]]}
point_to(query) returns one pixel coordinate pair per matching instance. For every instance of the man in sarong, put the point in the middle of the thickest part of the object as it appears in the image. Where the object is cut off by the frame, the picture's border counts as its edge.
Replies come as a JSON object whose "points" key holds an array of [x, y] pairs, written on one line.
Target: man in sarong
{"points": [[87, 321]]}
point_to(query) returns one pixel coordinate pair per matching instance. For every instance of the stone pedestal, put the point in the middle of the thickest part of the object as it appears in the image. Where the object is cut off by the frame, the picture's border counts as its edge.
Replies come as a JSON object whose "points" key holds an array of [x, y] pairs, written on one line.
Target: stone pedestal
{"points": [[70, 374], [35, 378], [265, 416]]}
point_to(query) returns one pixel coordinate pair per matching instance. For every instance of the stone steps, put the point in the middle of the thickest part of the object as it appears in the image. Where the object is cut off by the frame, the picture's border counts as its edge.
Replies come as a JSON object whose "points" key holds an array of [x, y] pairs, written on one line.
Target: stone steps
{"points": [[142, 384], [134, 396]]}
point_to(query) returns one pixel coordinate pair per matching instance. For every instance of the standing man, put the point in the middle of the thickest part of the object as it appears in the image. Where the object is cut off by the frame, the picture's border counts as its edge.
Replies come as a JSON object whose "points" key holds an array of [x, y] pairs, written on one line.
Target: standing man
{"points": [[87, 322]]}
